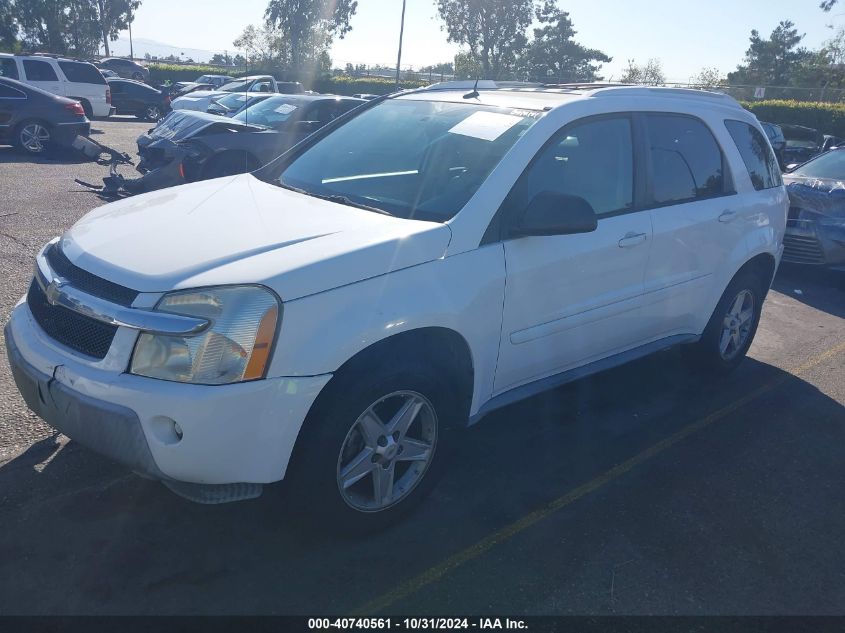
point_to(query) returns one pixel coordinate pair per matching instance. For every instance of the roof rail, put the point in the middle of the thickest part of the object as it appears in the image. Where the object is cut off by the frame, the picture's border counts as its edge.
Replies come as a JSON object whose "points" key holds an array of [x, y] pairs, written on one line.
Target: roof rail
{"points": [[627, 90], [482, 84]]}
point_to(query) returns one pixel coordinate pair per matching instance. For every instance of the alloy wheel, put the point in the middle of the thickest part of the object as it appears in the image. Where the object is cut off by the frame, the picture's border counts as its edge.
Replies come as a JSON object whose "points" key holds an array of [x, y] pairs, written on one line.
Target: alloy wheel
{"points": [[387, 451], [736, 326], [153, 113], [35, 137]]}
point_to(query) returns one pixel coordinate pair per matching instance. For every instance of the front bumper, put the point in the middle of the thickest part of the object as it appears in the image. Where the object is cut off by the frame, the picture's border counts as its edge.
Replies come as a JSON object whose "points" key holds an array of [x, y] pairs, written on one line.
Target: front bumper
{"points": [[230, 434], [810, 242]]}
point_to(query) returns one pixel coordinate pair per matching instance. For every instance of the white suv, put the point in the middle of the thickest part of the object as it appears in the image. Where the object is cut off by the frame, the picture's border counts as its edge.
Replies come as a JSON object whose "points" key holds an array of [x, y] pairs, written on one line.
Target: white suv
{"points": [[64, 77], [420, 262]]}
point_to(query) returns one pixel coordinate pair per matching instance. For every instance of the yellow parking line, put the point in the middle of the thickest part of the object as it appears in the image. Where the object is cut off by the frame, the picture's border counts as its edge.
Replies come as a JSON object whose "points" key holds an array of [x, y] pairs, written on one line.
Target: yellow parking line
{"points": [[435, 573]]}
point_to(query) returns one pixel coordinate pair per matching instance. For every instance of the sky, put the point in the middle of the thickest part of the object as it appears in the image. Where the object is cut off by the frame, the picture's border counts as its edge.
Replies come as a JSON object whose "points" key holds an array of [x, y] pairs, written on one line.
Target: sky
{"points": [[686, 36]]}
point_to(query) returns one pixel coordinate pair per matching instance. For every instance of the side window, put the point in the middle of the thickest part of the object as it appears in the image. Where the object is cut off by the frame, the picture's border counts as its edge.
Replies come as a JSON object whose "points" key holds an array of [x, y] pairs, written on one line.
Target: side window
{"points": [[687, 162], [8, 68], [117, 87], [7, 92], [36, 70], [593, 160], [78, 72], [756, 154]]}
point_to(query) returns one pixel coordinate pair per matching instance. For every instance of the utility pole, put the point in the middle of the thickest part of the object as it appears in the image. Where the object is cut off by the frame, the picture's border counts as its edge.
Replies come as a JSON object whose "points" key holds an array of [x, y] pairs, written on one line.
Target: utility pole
{"points": [[401, 34], [131, 50]]}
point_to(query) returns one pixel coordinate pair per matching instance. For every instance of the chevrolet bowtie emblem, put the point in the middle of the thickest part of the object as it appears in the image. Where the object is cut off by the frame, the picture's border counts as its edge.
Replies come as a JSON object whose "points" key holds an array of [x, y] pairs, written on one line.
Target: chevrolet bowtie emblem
{"points": [[53, 290]]}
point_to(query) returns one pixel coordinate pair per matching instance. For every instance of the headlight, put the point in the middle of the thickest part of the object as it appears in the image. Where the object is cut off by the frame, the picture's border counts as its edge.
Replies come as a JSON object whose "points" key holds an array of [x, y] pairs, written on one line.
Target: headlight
{"points": [[235, 347]]}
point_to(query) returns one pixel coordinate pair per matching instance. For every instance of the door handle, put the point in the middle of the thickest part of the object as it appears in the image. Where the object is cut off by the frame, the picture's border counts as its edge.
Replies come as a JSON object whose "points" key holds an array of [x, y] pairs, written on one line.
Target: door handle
{"points": [[727, 216], [632, 239]]}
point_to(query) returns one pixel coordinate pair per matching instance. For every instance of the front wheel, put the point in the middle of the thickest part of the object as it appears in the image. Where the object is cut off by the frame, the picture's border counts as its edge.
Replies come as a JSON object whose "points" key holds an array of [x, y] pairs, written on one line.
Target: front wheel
{"points": [[731, 328], [151, 113], [373, 446]]}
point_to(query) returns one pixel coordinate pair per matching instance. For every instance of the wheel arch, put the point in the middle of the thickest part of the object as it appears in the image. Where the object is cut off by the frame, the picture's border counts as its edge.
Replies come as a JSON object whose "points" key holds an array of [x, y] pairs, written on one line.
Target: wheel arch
{"points": [[444, 348]]}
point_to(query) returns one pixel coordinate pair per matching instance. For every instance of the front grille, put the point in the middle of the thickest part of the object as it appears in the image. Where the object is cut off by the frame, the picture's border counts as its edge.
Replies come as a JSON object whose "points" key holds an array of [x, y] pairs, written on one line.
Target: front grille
{"points": [[77, 331], [87, 282], [800, 249]]}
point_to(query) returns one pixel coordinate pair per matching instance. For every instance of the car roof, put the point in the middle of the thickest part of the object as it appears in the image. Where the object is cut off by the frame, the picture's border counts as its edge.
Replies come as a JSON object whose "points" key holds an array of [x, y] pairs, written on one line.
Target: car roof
{"points": [[306, 98], [550, 96]]}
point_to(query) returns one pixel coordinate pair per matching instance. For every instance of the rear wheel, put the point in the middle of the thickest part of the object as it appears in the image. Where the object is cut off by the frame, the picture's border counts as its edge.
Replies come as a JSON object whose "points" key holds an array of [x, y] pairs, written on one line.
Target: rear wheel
{"points": [[373, 446], [229, 164], [86, 107], [137, 76], [731, 328], [33, 137]]}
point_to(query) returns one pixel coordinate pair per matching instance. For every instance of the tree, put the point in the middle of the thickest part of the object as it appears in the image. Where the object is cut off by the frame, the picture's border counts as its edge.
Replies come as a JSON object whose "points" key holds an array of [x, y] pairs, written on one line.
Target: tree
{"points": [[555, 55], [218, 59], [307, 28], [827, 5], [466, 66], [8, 27], [259, 43], [649, 75], [709, 78], [113, 16], [770, 62], [494, 31]]}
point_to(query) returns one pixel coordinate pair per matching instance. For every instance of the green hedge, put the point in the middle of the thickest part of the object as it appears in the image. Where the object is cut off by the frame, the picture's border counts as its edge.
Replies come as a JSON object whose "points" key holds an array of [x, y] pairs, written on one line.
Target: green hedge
{"points": [[827, 118], [162, 73], [365, 85]]}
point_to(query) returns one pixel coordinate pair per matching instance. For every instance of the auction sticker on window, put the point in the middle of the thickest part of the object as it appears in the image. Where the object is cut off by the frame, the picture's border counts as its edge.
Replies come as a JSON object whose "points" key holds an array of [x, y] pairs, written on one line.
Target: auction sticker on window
{"points": [[285, 108], [488, 126]]}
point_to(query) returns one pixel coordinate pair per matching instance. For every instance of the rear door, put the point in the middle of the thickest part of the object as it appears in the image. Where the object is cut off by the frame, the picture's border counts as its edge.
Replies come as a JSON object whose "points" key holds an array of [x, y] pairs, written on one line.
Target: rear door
{"points": [[12, 102], [41, 74], [698, 220]]}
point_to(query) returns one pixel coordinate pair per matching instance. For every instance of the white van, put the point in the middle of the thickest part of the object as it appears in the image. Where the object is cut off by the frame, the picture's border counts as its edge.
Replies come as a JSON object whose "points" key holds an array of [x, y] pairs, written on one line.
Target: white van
{"points": [[65, 77]]}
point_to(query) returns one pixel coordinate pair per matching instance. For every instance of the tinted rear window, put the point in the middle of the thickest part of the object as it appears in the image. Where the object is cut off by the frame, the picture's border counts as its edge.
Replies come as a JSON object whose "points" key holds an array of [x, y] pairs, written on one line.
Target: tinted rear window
{"points": [[36, 70], [686, 160], [756, 154], [80, 73], [7, 92], [8, 68]]}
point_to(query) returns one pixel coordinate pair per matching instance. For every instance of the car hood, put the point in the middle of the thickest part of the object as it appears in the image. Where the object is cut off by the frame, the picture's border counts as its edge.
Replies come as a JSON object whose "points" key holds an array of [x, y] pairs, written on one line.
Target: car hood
{"points": [[825, 196], [239, 230], [182, 124]]}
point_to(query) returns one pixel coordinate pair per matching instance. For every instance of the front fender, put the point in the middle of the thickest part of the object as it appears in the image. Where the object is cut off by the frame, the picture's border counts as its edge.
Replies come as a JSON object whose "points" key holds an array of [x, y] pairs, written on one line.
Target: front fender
{"points": [[463, 293]]}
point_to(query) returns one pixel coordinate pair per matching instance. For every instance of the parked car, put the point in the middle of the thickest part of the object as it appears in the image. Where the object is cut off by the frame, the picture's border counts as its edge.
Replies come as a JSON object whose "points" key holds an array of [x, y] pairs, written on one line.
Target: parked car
{"points": [[207, 82], [35, 120], [831, 142], [802, 143], [77, 80], [235, 102], [815, 230], [777, 141], [194, 146], [126, 68], [201, 100], [368, 97], [334, 318], [134, 97], [108, 74]]}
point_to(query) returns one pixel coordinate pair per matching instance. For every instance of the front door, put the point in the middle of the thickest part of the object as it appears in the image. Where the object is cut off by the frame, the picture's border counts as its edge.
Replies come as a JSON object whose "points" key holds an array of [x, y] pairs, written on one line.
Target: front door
{"points": [[572, 299]]}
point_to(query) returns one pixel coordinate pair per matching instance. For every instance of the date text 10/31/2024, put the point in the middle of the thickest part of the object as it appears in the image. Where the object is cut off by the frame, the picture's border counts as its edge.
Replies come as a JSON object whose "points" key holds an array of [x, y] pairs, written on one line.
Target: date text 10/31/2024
{"points": [[418, 623]]}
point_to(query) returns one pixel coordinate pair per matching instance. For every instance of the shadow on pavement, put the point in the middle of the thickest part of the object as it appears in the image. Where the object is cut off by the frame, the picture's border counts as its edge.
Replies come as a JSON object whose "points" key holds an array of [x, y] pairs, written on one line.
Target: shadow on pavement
{"points": [[82, 535], [816, 287]]}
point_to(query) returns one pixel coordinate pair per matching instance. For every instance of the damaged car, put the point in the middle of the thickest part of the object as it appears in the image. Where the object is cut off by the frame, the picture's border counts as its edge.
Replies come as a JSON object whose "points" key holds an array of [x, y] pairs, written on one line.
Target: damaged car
{"points": [[815, 229], [190, 146], [235, 102]]}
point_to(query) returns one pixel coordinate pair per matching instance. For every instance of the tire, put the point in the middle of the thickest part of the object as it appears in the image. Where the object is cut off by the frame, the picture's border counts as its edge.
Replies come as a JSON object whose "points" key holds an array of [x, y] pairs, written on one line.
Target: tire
{"points": [[152, 113], [731, 328], [137, 76], [33, 137], [86, 107], [346, 459], [229, 164]]}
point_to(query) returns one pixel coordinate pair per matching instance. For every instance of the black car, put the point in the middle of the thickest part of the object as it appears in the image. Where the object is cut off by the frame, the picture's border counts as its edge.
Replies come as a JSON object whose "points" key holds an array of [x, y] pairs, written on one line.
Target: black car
{"points": [[232, 103], [776, 138], [134, 97], [35, 120], [190, 146], [125, 68], [802, 144]]}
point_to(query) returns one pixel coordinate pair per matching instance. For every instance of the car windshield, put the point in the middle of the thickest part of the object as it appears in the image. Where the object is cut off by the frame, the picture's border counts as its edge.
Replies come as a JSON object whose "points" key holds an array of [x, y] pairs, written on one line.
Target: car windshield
{"points": [[830, 165], [273, 112], [236, 86], [409, 158], [204, 79], [233, 101], [799, 144]]}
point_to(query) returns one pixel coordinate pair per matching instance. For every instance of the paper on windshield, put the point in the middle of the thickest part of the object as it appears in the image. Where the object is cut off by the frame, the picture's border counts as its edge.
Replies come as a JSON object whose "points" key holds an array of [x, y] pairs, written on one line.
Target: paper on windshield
{"points": [[487, 126], [285, 108]]}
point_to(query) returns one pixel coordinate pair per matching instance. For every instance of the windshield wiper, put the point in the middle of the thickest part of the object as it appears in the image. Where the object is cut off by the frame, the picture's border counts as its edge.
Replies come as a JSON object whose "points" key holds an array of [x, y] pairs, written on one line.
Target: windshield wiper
{"points": [[334, 197]]}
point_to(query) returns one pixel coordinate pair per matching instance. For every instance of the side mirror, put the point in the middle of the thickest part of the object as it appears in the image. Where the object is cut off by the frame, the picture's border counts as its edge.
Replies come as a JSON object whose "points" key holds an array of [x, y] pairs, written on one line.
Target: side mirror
{"points": [[552, 213], [792, 167]]}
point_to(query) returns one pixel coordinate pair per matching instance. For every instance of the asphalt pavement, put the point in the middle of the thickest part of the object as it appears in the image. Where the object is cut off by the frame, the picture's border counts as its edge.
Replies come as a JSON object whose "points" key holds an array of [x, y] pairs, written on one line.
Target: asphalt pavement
{"points": [[643, 490]]}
